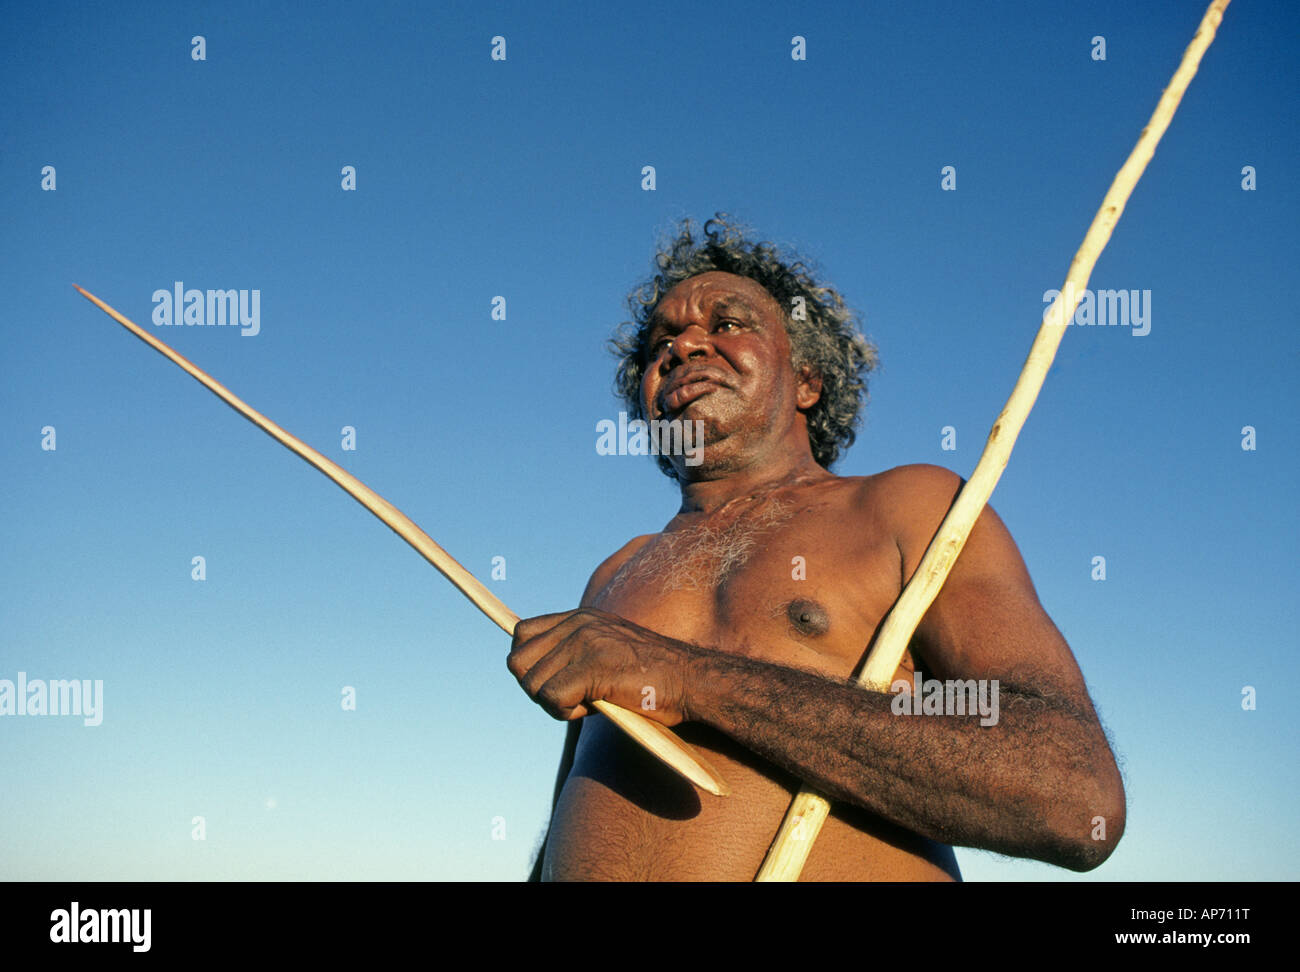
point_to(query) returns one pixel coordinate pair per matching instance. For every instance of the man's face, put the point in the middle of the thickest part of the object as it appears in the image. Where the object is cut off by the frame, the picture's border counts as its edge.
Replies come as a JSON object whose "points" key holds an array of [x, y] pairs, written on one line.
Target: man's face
{"points": [[718, 353]]}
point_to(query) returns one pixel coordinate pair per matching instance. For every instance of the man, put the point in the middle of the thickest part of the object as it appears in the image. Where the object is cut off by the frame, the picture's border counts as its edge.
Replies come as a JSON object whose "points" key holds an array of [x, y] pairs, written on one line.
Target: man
{"points": [[745, 618]]}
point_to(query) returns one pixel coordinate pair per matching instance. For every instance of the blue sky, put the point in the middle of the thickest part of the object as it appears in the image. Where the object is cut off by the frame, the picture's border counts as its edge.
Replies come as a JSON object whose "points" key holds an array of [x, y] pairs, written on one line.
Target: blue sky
{"points": [[522, 178]]}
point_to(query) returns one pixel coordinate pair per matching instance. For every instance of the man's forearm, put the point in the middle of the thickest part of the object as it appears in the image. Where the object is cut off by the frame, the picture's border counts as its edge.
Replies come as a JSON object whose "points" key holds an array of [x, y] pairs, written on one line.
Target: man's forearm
{"points": [[1029, 786]]}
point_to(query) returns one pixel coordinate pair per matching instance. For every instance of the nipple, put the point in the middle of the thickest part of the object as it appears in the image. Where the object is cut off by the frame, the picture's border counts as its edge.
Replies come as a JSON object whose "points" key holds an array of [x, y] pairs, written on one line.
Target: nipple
{"points": [[808, 616]]}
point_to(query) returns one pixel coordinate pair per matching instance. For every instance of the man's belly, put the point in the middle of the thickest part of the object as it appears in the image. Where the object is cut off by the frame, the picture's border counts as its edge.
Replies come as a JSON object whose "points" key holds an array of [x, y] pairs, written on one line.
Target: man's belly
{"points": [[622, 816]]}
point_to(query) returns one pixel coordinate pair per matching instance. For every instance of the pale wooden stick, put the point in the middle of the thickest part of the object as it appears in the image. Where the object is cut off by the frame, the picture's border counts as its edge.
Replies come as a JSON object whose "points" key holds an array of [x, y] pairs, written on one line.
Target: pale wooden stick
{"points": [[803, 821], [656, 738]]}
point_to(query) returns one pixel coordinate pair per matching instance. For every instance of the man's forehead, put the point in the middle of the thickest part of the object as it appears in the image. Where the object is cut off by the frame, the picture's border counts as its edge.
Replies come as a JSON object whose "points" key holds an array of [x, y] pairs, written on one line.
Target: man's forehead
{"points": [[712, 292]]}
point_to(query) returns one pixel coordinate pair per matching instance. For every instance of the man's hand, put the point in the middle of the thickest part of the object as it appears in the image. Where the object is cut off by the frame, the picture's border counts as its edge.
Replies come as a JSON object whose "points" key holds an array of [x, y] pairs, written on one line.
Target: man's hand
{"points": [[566, 661]]}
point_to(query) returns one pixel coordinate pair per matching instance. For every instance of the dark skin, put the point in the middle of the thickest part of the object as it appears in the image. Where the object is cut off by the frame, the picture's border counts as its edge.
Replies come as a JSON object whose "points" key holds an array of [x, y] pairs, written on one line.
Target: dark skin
{"points": [[755, 671]]}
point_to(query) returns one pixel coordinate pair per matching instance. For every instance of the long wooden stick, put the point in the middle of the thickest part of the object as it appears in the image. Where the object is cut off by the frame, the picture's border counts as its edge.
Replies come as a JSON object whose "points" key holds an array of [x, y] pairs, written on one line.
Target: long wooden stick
{"points": [[803, 821], [656, 738]]}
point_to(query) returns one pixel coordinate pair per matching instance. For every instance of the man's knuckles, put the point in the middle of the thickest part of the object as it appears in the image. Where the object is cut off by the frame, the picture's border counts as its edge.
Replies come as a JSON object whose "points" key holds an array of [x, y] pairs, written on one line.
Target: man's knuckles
{"points": [[554, 624], [521, 661], [529, 628], [562, 692], [540, 674]]}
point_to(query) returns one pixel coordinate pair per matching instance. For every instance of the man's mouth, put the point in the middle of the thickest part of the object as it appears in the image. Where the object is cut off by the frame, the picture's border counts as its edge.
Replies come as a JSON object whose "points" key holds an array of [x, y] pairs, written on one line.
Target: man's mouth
{"points": [[681, 390], [683, 394]]}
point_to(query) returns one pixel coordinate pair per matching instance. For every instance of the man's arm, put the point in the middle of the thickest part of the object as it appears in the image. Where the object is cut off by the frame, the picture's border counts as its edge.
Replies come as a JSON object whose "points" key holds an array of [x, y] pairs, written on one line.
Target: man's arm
{"points": [[1031, 785]]}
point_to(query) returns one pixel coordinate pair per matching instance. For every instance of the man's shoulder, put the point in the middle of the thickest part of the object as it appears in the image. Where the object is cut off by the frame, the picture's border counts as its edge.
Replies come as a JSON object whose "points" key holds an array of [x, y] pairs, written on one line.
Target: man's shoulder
{"points": [[625, 553], [918, 478], [914, 500], [906, 501], [905, 490], [603, 574]]}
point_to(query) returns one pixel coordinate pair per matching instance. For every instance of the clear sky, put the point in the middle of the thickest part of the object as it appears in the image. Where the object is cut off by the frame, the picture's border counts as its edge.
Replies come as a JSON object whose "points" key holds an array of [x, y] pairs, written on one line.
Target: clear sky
{"points": [[522, 178]]}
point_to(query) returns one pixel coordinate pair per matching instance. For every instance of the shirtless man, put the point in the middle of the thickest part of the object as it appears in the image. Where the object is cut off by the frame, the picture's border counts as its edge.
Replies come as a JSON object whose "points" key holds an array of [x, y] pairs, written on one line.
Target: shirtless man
{"points": [[749, 654]]}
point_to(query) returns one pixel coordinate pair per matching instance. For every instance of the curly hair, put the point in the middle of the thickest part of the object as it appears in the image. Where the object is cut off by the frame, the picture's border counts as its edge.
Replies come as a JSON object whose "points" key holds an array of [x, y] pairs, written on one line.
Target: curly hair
{"points": [[828, 341]]}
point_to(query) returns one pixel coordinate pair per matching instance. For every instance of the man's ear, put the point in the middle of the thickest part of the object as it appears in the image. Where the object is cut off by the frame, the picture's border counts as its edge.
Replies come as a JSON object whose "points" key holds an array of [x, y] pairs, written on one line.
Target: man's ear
{"points": [[808, 390]]}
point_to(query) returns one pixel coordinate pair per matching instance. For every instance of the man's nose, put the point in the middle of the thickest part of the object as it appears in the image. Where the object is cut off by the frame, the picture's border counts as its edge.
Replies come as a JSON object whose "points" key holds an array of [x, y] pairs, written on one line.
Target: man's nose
{"points": [[691, 341]]}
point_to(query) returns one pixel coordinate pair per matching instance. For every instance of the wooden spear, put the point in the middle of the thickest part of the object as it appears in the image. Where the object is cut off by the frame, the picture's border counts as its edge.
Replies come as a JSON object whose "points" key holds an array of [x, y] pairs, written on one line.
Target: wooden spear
{"points": [[803, 821], [659, 740]]}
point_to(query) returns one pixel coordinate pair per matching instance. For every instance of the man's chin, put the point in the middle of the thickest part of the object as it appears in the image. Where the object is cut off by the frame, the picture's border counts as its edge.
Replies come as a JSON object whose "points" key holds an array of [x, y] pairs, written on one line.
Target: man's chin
{"points": [[705, 454]]}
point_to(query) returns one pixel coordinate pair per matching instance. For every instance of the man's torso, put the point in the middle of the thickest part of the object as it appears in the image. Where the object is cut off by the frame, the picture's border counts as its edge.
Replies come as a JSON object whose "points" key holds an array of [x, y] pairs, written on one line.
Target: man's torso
{"points": [[801, 577]]}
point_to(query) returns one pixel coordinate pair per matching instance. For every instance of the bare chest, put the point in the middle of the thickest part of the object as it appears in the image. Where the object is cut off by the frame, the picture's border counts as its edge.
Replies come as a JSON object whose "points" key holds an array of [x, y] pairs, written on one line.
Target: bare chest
{"points": [[788, 585]]}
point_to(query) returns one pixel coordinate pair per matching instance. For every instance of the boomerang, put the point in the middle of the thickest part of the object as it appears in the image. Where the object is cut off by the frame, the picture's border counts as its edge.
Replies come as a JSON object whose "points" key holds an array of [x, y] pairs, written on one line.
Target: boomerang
{"points": [[658, 739]]}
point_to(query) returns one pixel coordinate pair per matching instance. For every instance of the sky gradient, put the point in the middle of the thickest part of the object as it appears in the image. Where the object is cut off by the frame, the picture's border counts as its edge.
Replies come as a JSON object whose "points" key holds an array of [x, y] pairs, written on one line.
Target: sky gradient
{"points": [[522, 178]]}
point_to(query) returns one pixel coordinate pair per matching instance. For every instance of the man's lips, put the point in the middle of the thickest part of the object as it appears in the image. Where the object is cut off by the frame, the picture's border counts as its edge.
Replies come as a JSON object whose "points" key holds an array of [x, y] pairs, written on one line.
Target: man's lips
{"points": [[685, 393], [681, 391]]}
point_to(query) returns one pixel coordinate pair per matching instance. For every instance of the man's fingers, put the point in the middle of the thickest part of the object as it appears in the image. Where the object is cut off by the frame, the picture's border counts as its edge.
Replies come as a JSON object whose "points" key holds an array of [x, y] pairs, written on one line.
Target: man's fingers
{"points": [[563, 694], [540, 672], [558, 681], [553, 662], [529, 628], [534, 637]]}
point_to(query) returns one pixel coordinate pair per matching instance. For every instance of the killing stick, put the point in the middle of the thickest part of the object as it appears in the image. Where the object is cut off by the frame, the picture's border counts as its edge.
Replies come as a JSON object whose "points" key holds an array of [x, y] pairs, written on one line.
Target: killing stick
{"points": [[803, 821], [659, 740]]}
